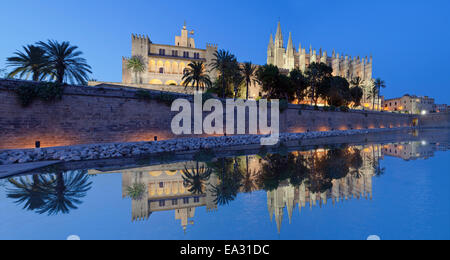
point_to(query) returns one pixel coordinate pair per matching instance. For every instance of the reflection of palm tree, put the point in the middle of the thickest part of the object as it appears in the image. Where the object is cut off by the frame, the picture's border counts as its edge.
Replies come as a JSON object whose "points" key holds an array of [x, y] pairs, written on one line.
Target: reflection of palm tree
{"points": [[276, 169], [248, 183], [65, 192], [376, 165], [230, 177], [136, 191], [32, 191], [195, 180]]}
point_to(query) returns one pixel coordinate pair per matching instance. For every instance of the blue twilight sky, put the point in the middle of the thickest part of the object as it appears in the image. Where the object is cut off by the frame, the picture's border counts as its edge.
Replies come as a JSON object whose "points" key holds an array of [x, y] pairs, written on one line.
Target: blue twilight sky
{"points": [[409, 40]]}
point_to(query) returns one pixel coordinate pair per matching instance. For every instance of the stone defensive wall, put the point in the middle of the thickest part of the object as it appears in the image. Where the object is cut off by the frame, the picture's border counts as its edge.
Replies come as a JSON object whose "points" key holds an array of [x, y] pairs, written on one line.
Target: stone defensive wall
{"points": [[87, 115], [171, 88]]}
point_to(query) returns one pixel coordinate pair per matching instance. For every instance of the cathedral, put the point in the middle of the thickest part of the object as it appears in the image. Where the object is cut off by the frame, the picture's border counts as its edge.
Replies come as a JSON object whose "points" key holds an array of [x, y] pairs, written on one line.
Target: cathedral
{"points": [[289, 58]]}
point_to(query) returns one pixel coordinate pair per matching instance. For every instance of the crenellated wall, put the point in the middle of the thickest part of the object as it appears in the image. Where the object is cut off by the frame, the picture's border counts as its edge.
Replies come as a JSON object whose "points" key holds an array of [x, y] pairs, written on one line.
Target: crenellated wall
{"points": [[104, 115]]}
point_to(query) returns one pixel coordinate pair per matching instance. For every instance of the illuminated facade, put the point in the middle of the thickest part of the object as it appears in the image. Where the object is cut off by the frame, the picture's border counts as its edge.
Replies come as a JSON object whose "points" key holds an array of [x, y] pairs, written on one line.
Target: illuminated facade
{"points": [[165, 64], [414, 150], [410, 105]]}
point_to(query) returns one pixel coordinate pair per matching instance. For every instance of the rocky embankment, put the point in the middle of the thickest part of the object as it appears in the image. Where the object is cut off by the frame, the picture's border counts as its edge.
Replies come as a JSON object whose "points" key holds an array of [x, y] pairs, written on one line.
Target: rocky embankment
{"points": [[118, 150]]}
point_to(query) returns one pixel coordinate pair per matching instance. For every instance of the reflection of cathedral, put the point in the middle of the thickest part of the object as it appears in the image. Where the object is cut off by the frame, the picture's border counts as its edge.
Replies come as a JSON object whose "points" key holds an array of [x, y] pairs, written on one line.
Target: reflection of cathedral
{"points": [[351, 186], [165, 190]]}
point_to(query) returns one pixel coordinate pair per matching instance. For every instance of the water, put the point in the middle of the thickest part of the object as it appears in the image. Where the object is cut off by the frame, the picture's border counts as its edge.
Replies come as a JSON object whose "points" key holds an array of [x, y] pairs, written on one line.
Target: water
{"points": [[391, 190]]}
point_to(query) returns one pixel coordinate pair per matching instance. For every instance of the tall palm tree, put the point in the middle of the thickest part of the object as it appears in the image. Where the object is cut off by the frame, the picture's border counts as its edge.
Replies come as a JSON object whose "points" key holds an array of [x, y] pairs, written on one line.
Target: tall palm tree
{"points": [[136, 65], [223, 62], [373, 94], [136, 191], [196, 75], [248, 178], [356, 82], [30, 191], [248, 71], [194, 180], [237, 79], [379, 84], [33, 60], [230, 178], [65, 192], [65, 63]]}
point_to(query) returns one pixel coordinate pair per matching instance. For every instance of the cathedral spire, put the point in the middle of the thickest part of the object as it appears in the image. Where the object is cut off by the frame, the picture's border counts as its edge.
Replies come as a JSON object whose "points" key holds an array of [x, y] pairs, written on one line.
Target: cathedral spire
{"points": [[271, 41], [279, 36], [290, 44]]}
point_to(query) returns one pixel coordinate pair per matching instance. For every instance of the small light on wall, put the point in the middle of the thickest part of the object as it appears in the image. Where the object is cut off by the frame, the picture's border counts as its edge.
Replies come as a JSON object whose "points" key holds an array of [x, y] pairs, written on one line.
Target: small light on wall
{"points": [[37, 144], [424, 112]]}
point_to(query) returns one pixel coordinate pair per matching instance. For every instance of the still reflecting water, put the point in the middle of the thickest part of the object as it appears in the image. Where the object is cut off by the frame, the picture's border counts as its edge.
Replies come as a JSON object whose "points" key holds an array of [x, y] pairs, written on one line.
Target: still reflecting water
{"points": [[395, 190]]}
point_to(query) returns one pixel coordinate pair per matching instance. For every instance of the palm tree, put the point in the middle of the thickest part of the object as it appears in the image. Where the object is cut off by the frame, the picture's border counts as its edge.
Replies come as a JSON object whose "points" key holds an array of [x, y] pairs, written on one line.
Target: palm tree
{"points": [[379, 84], [230, 178], [136, 191], [248, 71], [223, 62], [195, 180], [356, 82], [65, 63], [237, 79], [65, 192], [373, 94], [136, 65], [196, 75], [248, 178], [31, 192], [32, 61]]}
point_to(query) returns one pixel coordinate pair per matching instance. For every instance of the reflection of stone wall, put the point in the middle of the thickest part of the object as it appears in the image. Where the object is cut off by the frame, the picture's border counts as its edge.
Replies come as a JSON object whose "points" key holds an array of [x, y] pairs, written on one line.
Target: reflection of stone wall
{"points": [[103, 115]]}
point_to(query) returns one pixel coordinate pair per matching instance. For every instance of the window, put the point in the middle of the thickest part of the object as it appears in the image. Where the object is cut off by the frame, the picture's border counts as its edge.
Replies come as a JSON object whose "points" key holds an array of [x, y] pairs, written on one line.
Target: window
{"points": [[174, 202], [161, 70], [185, 200], [196, 200], [161, 184], [162, 203], [175, 53], [185, 54], [162, 52], [196, 55]]}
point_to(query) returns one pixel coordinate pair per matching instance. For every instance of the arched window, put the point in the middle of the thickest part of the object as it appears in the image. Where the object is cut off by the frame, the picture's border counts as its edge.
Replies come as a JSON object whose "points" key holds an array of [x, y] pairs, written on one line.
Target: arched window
{"points": [[161, 70]]}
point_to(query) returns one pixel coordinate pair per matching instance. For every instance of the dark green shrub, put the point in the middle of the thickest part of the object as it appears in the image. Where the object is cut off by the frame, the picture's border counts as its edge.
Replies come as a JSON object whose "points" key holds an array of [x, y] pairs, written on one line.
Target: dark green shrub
{"points": [[161, 97], [143, 94], [47, 92], [326, 108], [332, 108], [26, 95]]}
